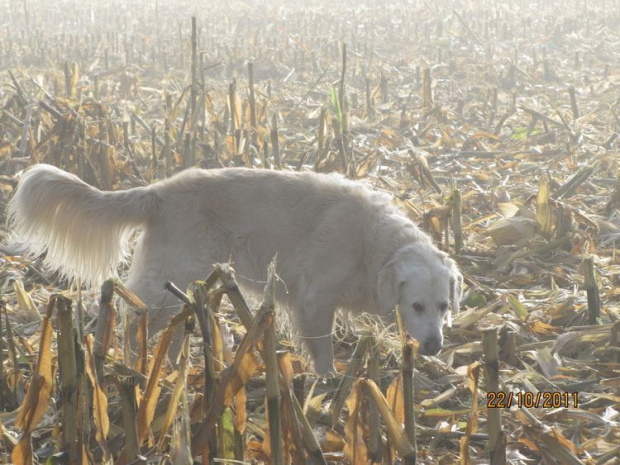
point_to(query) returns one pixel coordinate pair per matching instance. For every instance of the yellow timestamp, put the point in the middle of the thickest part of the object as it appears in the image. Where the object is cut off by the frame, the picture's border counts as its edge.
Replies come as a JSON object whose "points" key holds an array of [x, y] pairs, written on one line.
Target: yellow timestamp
{"points": [[543, 399]]}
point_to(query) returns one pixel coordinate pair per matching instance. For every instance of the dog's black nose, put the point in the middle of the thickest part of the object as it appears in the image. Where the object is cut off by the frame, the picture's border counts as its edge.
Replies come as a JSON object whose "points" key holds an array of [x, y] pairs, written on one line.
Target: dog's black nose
{"points": [[431, 347]]}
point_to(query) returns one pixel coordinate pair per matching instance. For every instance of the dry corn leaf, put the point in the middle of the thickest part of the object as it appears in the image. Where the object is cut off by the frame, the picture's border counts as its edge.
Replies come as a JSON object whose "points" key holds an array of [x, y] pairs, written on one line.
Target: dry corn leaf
{"points": [[542, 328], [507, 231], [552, 443], [355, 448], [25, 303], [473, 375], [543, 208], [396, 433], [241, 414], [333, 442], [396, 399], [35, 402], [146, 411], [180, 386], [100, 400]]}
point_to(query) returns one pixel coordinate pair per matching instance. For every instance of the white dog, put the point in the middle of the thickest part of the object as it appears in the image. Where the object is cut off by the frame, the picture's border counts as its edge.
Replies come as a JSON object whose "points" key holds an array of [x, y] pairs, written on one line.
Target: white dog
{"points": [[339, 244]]}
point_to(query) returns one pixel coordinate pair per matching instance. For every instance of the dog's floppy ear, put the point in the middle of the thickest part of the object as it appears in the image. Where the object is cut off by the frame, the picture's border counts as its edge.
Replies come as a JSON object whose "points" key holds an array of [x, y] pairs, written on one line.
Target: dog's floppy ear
{"points": [[456, 285], [388, 286]]}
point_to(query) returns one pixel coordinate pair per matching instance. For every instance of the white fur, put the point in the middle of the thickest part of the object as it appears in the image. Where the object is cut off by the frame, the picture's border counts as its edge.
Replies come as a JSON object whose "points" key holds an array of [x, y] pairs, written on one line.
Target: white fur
{"points": [[339, 244]]}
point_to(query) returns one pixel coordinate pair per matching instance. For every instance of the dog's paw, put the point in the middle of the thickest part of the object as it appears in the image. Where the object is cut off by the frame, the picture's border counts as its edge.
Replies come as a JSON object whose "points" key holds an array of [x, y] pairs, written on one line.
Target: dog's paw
{"points": [[325, 369]]}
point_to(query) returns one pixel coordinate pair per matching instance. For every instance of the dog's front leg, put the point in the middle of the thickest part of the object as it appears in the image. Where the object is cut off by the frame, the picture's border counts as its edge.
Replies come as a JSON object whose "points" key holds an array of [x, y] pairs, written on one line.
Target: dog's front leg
{"points": [[315, 331]]}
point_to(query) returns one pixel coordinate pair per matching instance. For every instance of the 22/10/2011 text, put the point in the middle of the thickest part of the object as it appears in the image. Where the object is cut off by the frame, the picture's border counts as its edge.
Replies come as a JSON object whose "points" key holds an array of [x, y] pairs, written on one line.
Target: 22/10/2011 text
{"points": [[543, 399]]}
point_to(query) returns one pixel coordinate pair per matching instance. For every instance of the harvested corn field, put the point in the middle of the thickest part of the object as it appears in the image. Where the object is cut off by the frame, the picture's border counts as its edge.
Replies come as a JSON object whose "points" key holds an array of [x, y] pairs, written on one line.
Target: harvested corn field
{"points": [[493, 124]]}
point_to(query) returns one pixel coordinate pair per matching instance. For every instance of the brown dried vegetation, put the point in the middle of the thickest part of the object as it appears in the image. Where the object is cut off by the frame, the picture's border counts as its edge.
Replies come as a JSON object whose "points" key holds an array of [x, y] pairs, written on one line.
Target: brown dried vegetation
{"points": [[494, 124]]}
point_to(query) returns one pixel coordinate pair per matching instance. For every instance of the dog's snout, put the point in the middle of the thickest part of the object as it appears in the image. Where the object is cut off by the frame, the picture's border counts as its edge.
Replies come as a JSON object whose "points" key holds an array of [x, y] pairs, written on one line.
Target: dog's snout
{"points": [[431, 346]]}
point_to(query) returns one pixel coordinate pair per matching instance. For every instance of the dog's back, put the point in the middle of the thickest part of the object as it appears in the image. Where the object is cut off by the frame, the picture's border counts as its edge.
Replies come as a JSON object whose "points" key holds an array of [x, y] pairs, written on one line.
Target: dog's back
{"points": [[315, 223]]}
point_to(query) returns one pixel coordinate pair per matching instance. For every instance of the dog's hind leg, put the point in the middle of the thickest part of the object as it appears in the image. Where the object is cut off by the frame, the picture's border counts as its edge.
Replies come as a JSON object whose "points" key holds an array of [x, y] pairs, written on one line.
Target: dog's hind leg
{"points": [[161, 308], [147, 278]]}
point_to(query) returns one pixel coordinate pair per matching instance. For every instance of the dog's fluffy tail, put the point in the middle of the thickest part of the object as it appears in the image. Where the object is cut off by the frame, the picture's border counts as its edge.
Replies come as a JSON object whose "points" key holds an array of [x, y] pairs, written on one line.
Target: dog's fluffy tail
{"points": [[82, 230]]}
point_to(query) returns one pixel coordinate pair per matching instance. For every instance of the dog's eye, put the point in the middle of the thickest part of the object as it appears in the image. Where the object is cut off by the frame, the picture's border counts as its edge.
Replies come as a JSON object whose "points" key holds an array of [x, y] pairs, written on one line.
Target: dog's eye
{"points": [[443, 306], [418, 307]]}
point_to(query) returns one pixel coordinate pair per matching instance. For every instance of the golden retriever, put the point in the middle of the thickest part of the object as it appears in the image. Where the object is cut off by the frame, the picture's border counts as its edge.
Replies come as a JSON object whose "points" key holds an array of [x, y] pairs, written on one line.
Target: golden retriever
{"points": [[339, 243]]}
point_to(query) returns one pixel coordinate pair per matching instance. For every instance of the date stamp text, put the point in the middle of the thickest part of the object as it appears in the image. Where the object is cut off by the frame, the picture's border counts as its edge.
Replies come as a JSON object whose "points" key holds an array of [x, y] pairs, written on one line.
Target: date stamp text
{"points": [[542, 399]]}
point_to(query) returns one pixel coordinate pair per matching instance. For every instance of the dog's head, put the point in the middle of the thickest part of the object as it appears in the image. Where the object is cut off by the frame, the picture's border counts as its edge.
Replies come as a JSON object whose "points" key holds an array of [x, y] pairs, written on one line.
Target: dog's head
{"points": [[424, 282]]}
